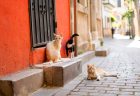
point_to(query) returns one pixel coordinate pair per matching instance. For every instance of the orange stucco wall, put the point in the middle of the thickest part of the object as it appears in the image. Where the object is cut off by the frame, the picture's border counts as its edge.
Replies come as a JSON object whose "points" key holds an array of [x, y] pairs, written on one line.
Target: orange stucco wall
{"points": [[63, 27], [15, 36], [15, 46], [63, 21]]}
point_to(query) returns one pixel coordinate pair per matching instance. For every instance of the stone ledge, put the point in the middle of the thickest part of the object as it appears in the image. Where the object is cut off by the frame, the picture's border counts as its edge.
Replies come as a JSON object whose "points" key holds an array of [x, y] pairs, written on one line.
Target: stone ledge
{"points": [[102, 51], [86, 56], [49, 64], [21, 83], [58, 74]]}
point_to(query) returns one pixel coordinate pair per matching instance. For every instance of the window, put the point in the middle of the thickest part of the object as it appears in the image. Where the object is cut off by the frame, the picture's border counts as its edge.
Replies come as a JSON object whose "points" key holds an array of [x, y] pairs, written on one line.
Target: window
{"points": [[42, 20], [119, 3]]}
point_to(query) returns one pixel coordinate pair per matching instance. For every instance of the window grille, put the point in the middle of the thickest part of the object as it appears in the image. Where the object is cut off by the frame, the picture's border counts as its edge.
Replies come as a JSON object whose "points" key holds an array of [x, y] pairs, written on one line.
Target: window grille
{"points": [[42, 20]]}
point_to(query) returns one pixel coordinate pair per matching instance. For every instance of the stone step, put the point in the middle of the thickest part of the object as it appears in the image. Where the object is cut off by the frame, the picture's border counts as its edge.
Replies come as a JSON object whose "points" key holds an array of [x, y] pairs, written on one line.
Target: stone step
{"points": [[102, 51], [21, 83], [85, 57], [54, 74], [58, 74]]}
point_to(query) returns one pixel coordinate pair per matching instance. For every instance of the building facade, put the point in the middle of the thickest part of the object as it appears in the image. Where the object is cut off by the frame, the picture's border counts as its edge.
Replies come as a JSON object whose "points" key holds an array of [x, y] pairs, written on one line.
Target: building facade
{"points": [[136, 19], [28, 25], [22, 45], [96, 22], [108, 6], [89, 24], [120, 22], [82, 24]]}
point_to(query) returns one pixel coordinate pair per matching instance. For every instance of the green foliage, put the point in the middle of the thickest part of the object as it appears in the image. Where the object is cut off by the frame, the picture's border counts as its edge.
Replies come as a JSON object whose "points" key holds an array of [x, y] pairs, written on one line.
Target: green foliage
{"points": [[112, 19], [129, 1], [80, 51], [128, 14]]}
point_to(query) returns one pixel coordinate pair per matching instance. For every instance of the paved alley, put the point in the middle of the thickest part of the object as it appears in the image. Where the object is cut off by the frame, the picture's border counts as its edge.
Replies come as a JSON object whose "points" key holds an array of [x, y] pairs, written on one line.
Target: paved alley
{"points": [[123, 59], [46, 45]]}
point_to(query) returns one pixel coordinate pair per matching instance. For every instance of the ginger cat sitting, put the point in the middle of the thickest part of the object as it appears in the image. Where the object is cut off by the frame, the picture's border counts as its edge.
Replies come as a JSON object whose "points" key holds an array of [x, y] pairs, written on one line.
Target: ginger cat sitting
{"points": [[96, 73], [53, 49]]}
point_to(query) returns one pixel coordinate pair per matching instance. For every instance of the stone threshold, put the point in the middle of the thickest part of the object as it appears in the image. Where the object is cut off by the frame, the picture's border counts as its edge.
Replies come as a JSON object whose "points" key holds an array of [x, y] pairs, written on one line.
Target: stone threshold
{"points": [[30, 80], [21, 83], [102, 51]]}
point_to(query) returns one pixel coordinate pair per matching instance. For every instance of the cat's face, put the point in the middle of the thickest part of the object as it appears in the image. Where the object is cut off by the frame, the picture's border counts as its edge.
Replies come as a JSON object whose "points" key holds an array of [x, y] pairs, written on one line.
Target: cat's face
{"points": [[58, 37], [90, 68]]}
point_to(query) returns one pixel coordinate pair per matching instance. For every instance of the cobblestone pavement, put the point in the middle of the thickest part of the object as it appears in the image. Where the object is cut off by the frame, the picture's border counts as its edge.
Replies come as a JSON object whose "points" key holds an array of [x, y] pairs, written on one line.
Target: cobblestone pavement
{"points": [[124, 58]]}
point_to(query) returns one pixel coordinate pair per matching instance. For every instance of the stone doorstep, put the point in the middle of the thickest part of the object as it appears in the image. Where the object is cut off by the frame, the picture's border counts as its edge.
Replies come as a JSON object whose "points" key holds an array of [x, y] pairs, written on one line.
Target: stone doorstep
{"points": [[58, 74], [49, 64], [86, 56], [29, 80], [21, 83], [102, 51]]}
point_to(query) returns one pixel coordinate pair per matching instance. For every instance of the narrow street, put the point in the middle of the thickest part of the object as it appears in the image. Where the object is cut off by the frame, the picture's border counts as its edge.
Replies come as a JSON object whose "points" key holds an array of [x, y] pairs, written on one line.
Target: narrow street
{"points": [[124, 59], [39, 39]]}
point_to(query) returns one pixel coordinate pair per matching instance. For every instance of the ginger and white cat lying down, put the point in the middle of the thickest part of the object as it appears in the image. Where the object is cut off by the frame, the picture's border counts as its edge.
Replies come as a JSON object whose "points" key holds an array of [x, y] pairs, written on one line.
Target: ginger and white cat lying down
{"points": [[53, 49], [96, 73]]}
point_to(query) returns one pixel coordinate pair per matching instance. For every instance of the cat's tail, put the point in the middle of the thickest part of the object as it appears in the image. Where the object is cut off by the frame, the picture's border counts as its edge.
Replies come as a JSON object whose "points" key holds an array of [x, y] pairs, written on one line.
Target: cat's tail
{"points": [[111, 75], [67, 53], [74, 35]]}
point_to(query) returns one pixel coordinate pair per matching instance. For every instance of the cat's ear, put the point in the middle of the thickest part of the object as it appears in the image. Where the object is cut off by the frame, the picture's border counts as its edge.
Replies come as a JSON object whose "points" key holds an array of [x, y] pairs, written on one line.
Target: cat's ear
{"points": [[61, 35], [54, 35], [88, 65]]}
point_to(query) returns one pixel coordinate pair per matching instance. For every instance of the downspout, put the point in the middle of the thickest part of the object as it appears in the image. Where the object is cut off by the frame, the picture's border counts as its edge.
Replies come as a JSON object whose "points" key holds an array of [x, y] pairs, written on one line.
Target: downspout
{"points": [[75, 27]]}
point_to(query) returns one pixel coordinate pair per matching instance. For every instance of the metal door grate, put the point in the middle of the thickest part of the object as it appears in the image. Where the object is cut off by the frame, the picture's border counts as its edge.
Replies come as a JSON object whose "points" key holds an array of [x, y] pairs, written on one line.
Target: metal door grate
{"points": [[42, 18]]}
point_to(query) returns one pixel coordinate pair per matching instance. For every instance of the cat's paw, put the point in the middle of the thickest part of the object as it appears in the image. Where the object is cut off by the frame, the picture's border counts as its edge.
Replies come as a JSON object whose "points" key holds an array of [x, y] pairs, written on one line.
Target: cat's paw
{"points": [[59, 60], [55, 61], [98, 78], [88, 78]]}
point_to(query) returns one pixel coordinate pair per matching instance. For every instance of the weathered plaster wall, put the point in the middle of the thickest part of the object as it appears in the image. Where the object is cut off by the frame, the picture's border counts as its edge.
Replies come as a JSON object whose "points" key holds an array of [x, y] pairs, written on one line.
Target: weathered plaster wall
{"points": [[15, 47], [15, 36]]}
